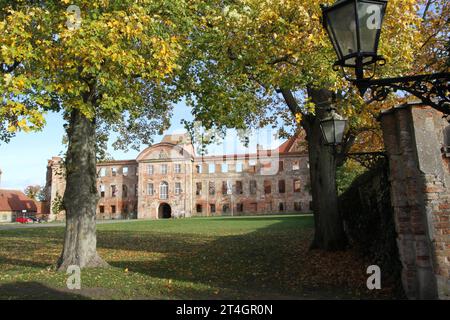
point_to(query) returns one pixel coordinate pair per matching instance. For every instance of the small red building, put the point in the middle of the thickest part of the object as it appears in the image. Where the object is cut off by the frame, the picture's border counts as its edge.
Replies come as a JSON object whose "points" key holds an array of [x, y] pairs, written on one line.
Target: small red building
{"points": [[14, 203]]}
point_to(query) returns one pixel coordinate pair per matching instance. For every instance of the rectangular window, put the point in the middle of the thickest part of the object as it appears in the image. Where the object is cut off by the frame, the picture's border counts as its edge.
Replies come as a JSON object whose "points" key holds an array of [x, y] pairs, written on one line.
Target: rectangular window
{"points": [[198, 190], [114, 171], [177, 168], [224, 167], [212, 208], [102, 191], [198, 168], [177, 187], [113, 209], [124, 191], [239, 207], [229, 187], [224, 187], [281, 206], [252, 166], [296, 165], [164, 169], [199, 208], [297, 185], [125, 171], [297, 206], [102, 172], [150, 189], [267, 186], [150, 169], [113, 190], [212, 188], [225, 208], [163, 190], [281, 186], [280, 166], [252, 186], [239, 188], [239, 167], [212, 168], [102, 209]]}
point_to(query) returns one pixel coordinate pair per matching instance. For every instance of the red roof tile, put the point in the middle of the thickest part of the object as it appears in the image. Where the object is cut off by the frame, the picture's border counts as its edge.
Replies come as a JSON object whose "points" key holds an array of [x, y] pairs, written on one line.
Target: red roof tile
{"points": [[15, 200], [288, 144]]}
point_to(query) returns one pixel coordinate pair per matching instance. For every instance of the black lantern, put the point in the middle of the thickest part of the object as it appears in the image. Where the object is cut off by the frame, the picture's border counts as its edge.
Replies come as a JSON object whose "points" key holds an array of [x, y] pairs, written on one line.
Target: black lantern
{"points": [[354, 27], [333, 129]]}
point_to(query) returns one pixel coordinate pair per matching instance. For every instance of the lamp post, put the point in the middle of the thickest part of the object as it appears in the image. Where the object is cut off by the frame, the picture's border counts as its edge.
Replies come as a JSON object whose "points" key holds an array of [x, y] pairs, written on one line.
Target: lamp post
{"points": [[354, 28], [333, 129]]}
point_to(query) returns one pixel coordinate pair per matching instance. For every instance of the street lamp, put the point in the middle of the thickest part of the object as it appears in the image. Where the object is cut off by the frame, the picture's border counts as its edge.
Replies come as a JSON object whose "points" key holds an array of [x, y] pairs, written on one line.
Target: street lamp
{"points": [[333, 129], [354, 28]]}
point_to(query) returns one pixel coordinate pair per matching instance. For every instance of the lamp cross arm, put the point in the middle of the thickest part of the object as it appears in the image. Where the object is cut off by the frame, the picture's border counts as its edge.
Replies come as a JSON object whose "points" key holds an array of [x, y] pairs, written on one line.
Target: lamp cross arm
{"points": [[432, 89]]}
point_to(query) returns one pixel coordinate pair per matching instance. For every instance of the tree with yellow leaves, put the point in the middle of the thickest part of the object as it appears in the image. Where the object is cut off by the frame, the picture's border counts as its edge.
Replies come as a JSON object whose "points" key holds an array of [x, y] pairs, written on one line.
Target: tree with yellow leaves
{"points": [[107, 65], [254, 59]]}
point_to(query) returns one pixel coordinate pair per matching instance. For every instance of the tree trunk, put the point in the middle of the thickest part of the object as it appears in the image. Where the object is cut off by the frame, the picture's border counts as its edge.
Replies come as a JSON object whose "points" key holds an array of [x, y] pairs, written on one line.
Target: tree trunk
{"points": [[329, 230], [80, 198]]}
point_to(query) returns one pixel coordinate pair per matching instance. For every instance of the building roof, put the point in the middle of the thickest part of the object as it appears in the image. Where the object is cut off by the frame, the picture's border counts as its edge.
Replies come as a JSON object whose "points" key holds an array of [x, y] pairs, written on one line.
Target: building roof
{"points": [[15, 200], [286, 146], [292, 144]]}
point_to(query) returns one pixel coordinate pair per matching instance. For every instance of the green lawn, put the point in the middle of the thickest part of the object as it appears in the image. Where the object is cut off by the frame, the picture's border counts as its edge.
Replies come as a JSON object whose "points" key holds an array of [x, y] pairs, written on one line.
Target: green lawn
{"points": [[197, 258]]}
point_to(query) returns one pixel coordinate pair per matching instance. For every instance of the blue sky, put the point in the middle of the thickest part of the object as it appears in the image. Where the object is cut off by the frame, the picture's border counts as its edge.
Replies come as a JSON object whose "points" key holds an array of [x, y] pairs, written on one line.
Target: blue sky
{"points": [[24, 159]]}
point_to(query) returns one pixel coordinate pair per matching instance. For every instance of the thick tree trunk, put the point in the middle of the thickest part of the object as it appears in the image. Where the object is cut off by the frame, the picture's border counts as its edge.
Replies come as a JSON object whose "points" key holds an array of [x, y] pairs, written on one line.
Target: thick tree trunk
{"points": [[80, 198], [329, 230]]}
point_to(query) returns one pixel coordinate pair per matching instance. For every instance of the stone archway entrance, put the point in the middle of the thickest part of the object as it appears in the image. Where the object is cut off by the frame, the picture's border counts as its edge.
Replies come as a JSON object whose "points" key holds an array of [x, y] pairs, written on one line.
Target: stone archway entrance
{"points": [[164, 211]]}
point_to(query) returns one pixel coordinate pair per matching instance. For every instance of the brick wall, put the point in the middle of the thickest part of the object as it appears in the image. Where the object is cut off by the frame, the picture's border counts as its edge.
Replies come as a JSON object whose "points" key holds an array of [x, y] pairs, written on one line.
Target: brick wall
{"points": [[420, 192]]}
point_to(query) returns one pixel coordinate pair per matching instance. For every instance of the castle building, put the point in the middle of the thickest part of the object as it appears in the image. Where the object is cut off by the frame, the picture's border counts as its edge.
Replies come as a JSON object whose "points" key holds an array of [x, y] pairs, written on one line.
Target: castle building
{"points": [[168, 180]]}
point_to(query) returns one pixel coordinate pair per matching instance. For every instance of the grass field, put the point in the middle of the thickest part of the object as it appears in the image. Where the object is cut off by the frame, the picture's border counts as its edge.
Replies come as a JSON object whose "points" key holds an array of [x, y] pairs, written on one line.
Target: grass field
{"points": [[197, 258]]}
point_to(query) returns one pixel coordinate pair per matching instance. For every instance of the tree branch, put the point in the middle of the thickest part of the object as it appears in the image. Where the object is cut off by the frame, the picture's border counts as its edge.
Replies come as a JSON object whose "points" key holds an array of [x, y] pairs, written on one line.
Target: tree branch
{"points": [[10, 68], [290, 100]]}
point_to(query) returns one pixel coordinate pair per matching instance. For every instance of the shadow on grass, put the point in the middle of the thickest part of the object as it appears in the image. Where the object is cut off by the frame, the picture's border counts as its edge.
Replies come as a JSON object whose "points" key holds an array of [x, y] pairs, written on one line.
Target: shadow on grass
{"points": [[35, 291], [269, 262], [269, 259], [24, 263]]}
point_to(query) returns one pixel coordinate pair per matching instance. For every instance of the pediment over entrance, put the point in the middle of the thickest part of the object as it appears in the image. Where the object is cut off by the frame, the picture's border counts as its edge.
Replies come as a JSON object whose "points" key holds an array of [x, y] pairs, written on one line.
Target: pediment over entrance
{"points": [[165, 151]]}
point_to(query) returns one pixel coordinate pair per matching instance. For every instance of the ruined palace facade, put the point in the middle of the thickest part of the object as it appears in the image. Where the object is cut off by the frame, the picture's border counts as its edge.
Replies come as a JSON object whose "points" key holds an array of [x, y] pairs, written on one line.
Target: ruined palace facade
{"points": [[168, 180]]}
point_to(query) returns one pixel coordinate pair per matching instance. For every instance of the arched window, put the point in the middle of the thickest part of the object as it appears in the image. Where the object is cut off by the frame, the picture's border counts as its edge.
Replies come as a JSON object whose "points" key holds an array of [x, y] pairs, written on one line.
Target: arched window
{"points": [[164, 190]]}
